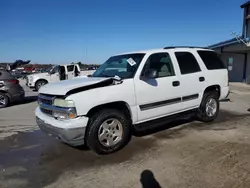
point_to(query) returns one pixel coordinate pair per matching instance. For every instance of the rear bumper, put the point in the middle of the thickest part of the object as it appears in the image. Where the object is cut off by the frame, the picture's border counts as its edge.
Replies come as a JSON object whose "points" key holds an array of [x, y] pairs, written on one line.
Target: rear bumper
{"points": [[71, 132], [224, 92]]}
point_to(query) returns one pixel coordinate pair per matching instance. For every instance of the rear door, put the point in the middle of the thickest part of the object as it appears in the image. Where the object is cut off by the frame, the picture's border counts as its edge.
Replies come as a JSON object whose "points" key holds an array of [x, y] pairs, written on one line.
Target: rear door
{"points": [[54, 76], [192, 79]]}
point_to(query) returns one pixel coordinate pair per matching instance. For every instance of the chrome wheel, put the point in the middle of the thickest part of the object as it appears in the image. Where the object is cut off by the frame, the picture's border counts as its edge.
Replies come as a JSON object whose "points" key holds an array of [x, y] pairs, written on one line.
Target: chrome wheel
{"points": [[211, 107], [2, 100], [110, 132]]}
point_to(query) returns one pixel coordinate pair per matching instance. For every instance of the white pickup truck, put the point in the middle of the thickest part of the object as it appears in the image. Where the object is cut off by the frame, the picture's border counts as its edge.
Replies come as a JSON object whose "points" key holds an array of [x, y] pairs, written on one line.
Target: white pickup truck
{"points": [[57, 73], [131, 91]]}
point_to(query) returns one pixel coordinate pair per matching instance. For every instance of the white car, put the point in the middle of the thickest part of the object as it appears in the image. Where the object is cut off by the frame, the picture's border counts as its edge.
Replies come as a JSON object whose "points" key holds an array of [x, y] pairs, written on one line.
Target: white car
{"points": [[57, 73], [130, 91]]}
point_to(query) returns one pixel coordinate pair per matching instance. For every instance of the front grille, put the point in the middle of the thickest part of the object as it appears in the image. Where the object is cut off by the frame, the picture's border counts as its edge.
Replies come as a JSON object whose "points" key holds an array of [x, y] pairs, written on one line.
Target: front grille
{"points": [[44, 99], [46, 103], [46, 111]]}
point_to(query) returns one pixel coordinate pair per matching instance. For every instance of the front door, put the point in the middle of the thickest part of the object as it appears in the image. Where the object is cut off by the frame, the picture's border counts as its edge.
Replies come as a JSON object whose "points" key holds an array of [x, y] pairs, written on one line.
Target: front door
{"points": [[70, 71], [160, 96], [54, 76]]}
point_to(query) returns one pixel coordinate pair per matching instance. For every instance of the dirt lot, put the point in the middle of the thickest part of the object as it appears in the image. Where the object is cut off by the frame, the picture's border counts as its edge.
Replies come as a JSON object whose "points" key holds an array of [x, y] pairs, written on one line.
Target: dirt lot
{"points": [[190, 154]]}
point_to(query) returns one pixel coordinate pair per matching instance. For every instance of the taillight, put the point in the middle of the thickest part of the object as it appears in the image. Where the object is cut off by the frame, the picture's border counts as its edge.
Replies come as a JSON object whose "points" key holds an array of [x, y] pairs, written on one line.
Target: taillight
{"points": [[14, 81]]}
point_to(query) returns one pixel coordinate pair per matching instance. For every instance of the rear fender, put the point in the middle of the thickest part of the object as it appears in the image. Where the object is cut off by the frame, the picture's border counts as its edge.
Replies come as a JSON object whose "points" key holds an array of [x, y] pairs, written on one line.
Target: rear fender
{"points": [[7, 94]]}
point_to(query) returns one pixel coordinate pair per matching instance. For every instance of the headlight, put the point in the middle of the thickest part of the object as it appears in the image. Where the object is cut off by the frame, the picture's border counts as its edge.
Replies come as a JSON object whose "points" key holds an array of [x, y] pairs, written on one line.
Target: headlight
{"points": [[64, 109], [65, 113], [64, 103]]}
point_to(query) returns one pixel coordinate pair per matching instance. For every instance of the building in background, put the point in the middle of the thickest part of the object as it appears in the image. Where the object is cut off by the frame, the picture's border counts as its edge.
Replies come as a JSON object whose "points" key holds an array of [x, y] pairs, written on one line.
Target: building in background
{"points": [[235, 52]]}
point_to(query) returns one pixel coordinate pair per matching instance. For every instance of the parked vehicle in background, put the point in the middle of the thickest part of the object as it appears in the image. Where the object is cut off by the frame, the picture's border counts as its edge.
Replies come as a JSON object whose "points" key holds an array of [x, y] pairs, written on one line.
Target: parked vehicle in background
{"points": [[10, 89], [133, 91], [57, 73]]}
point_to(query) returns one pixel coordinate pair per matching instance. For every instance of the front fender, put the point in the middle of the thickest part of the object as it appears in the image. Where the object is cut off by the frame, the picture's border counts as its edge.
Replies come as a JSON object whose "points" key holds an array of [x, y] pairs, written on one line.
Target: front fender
{"points": [[86, 100], [40, 78]]}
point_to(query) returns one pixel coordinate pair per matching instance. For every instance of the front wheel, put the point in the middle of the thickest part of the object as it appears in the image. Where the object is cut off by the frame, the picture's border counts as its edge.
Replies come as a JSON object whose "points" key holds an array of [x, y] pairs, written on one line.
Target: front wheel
{"points": [[108, 131], [39, 84], [209, 108]]}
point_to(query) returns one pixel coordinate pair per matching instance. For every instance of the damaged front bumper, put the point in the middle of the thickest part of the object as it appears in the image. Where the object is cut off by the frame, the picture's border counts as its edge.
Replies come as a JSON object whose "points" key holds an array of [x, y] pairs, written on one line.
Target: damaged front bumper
{"points": [[70, 131]]}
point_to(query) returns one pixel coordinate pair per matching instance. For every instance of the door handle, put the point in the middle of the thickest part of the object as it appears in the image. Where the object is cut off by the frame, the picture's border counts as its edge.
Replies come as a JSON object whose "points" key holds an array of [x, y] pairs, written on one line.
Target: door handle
{"points": [[176, 83], [201, 79]]}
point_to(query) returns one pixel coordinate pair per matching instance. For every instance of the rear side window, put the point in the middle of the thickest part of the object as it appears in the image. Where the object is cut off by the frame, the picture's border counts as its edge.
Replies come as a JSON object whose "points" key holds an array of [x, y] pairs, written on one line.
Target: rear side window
{"points": [[187, 62], [211, 60]]}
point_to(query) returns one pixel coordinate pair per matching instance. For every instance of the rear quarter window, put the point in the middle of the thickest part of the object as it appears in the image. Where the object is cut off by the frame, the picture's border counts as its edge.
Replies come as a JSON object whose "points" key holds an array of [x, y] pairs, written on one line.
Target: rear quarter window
{"points": [[211, 60]]}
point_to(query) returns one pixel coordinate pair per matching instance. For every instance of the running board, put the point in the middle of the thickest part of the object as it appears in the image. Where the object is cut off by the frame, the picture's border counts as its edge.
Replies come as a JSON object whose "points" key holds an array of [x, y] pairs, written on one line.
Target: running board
{"points": [[163, 121]]}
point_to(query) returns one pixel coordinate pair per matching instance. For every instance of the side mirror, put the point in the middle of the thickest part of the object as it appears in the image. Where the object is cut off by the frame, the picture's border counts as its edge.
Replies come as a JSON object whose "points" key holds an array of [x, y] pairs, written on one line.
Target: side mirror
{"points": [[150, 73]]}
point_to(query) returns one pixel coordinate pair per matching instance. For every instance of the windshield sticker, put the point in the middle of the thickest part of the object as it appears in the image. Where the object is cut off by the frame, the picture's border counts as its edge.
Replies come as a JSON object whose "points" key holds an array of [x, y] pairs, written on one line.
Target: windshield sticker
{"points": [[131, 62]]}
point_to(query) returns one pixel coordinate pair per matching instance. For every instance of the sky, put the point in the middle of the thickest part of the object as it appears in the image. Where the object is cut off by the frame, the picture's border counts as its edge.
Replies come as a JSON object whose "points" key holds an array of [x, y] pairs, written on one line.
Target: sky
{"points": [[90, 31]]}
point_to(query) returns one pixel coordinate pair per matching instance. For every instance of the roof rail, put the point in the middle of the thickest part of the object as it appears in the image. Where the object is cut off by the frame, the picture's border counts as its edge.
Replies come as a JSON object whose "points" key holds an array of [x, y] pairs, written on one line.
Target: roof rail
{"points": [[171, 47]]}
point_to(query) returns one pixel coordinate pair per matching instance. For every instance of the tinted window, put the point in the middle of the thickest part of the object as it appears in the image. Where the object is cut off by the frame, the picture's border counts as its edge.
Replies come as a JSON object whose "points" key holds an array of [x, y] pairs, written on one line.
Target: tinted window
{"points": [[70, 68], [187, 62], [211, 60], [162, 63]]}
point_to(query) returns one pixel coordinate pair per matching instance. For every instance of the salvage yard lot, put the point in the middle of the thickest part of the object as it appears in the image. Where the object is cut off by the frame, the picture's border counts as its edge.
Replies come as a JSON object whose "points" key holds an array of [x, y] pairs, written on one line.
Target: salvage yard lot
{"points": [[183, 154]]}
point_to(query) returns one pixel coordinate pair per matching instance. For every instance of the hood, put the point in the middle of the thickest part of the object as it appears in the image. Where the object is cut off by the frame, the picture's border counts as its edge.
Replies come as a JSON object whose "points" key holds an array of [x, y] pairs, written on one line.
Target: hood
{"points": [[74, 85]]}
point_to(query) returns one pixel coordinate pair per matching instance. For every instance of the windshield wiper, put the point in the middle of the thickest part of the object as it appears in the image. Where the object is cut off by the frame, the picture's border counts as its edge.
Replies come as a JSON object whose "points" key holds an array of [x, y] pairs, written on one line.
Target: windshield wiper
{"points": [[115, 77]]}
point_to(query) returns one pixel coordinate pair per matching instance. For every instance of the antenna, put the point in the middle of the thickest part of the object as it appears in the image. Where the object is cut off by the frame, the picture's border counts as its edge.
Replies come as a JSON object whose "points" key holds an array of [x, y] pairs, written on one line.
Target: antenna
{"points": [[239, 39]]}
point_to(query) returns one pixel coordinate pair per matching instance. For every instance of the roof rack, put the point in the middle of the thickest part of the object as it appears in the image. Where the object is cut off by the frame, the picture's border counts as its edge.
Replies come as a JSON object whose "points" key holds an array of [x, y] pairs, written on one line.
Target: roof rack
{"points": [[171, 47]]}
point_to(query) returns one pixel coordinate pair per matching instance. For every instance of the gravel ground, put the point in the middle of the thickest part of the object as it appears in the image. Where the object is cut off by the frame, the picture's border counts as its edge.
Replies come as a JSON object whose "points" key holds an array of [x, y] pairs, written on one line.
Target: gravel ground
{"points": [[182, 154]]}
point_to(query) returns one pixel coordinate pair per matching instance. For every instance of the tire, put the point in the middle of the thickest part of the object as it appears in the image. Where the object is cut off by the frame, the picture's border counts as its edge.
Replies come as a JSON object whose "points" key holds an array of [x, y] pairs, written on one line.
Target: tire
{"points": [[39, 84], [4, 100], [205, 115], [95, 127]]}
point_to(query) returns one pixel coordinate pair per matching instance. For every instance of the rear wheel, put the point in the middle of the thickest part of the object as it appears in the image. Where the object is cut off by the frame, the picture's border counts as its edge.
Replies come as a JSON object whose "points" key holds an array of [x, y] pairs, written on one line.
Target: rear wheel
{"points": [[209, 108], [4, 100], [40, 83], [108, 131]]}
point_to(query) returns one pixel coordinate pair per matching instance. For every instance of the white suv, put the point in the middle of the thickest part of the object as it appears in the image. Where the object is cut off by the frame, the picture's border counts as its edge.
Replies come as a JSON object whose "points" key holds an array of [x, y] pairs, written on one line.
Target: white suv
{"points": [[130, 91]]}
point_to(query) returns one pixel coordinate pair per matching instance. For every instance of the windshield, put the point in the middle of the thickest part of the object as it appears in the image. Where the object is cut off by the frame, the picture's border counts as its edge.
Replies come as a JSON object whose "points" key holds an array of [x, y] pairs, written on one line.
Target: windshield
{"points": [[124, 66], [54, 69]]}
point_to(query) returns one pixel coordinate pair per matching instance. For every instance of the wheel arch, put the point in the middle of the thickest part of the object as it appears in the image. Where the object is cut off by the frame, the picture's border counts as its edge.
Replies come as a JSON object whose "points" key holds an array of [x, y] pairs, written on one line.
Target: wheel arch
{"points": [[41, 79], [216, 88], [118, 105], [7, 95]]}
